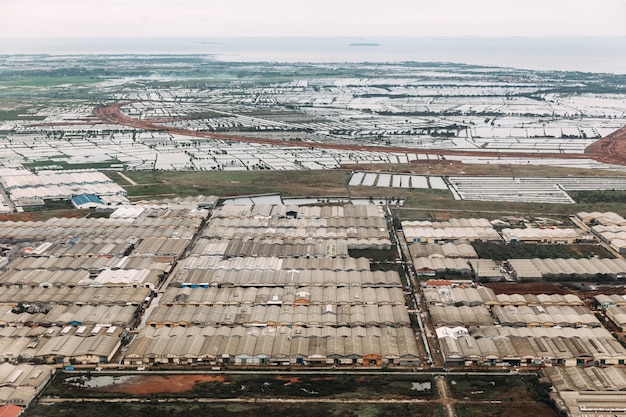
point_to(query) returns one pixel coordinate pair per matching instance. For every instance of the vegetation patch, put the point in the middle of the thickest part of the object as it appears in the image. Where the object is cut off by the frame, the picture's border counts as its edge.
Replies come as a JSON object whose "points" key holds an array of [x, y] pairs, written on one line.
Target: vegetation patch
{"points": [[499, 252], [246, 386], [507, 389], [509, 410], [595, 197], [275, 409]]}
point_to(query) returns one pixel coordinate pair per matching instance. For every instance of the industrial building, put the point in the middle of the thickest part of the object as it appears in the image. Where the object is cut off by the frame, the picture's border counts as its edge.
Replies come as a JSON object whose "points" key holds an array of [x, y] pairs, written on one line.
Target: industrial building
{"points": [[447, 250], [589, 392], [477, 327], [265, 230], [568, 269], [617, 314], [467, 307], [77, 287], [281, 345], [20, 384], [525, 346], [441, 266], [609, 227], [274, 284], [26, 188], [453, 230], [565, 236]]}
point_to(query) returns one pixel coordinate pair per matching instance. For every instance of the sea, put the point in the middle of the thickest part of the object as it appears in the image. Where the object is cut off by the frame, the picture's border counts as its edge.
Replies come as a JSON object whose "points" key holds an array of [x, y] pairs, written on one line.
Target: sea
{"points": [[584, 54]]}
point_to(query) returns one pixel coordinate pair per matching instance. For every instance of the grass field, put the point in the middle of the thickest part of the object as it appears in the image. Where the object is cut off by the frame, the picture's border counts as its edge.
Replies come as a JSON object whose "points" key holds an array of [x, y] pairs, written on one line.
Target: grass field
{"points": [[288, 183], [155, 184]]}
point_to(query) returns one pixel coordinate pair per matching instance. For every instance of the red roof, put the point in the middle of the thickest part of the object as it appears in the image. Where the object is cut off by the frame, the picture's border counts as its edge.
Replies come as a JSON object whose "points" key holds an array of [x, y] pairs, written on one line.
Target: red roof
{"points": [[10, 410]]}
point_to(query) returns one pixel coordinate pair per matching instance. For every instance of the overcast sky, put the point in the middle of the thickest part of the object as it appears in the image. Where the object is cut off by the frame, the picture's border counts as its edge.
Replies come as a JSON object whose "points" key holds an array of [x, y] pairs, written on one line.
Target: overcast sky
{"points": [[209, 18]]}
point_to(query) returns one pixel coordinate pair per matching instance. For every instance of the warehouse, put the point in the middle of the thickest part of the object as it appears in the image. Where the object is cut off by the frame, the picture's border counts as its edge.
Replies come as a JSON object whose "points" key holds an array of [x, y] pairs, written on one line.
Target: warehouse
{"points": [[61, 344], [545, 316], [606, 218], [280, 345], [283, 278], [604, 301], [486, 270], [473, 296], [464, 316], [440, 266], [569, 269], [590, 392], [449, 234], [92, 263], [83, 345], [87, 228], [265, 230], [489, 345], [125, 278], [77, 296], [275, 284], [447, 250], [269, 211], [447, 295], [237, 295], [286, 315], [25, 187], [542, 235], [60, 315], [22, 383], [617, 314]]}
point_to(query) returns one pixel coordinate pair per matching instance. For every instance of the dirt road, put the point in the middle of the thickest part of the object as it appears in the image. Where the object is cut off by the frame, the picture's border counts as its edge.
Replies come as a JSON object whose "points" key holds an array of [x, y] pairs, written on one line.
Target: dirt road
{"points": [[609, 150]]}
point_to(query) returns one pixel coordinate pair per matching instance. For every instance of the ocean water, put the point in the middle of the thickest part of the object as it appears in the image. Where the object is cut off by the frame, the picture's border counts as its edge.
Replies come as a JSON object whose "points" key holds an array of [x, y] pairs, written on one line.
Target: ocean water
{"points": [[587, 54]]}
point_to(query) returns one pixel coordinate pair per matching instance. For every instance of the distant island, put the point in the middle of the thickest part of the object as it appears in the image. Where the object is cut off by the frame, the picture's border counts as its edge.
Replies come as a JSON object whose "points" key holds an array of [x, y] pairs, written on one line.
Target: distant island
{"points": [[364, 44]]}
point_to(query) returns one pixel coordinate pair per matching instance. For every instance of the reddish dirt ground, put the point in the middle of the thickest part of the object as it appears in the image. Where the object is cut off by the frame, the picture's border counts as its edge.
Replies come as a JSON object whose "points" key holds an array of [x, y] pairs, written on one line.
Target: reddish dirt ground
{"points": [[41, 215], [163, 383], [611, 149], [528, 288], [290, 379], [614, 152]]}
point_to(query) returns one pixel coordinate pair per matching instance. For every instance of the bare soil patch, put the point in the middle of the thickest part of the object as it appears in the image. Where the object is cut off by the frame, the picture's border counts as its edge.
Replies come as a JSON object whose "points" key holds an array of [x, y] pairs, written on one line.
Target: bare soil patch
{"points": [[151, 384]]}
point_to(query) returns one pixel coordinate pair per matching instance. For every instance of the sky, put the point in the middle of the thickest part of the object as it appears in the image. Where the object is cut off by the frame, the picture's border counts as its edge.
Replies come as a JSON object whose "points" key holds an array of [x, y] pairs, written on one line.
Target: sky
{"points": [[368, 18]]}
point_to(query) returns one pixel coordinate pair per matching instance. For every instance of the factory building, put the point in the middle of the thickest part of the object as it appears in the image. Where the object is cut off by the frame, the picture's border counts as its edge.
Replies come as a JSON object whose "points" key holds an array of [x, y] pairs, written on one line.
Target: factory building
{"points": [[275, 284]]}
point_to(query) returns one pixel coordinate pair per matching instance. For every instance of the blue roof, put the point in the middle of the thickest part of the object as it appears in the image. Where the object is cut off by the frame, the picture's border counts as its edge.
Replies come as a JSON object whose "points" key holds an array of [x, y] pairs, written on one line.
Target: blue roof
{"points": [[86, 198]]}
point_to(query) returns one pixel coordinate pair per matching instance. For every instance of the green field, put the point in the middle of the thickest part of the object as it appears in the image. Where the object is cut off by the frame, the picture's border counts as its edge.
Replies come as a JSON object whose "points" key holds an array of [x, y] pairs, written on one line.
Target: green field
{"points": [[44, 81], [160, 184]]}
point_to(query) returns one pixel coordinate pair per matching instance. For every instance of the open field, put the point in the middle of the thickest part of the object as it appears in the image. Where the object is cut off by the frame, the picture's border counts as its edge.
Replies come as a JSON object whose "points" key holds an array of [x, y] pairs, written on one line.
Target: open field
{"points": [[292, 394], [510, 410], [155, 184], [252, 409], [245, 386], [447, 167], [500, 252]]}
